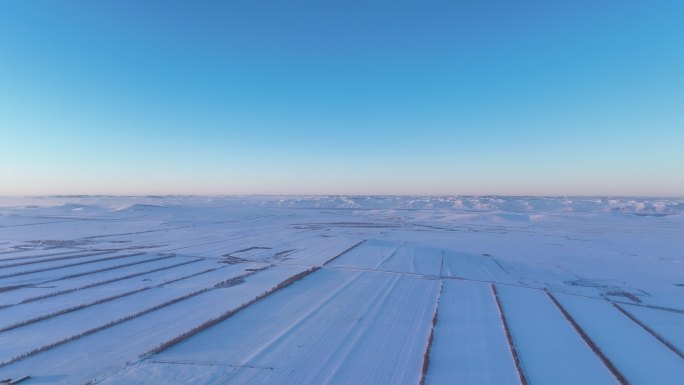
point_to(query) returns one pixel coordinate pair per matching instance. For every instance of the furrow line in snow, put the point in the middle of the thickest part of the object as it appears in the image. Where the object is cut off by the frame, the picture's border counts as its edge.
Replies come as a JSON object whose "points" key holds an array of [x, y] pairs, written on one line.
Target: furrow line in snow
{"points": [[441, 264], [247, 240], [91, 254], [650, 331], [136, 232], [101, 300], [69, 276], [428, 347], [655, 307], [174, 341], [51, 254], [491, 282], [342, 253], [125, 319], [92, 284], [35, 224], [17, 250], [428, 276], [594, 348], [355, 336], [391, 255], [25, 272], [511, 344], [292, 323], [115, 279]]}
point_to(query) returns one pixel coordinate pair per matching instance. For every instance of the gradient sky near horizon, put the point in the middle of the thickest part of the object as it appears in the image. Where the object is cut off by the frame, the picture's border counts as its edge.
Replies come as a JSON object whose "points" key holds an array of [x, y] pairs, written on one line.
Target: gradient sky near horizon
{"points": [[342, 97]]}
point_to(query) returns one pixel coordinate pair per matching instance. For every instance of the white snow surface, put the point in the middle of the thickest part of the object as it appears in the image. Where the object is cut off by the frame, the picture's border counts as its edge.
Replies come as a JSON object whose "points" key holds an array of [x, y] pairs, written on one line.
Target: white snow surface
{"points": [[341, 290]]}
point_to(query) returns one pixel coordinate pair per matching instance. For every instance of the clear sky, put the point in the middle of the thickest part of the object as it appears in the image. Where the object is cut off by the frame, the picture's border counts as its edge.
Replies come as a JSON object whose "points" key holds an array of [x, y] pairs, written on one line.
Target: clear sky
{"points": [[579, 97]]}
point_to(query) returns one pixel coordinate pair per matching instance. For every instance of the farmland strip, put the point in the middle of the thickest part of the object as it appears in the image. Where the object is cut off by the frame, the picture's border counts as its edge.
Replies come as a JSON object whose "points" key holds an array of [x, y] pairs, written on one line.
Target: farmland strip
{"points": [[342, 253], [606, 361], [650, 331], [428, 348], [230, 313], [16, 287], [69, 265], [511, 344], [123, 319], [115, 279], [46, 255], [68, 276], [174, 341], [90, 254], [102, 300]]}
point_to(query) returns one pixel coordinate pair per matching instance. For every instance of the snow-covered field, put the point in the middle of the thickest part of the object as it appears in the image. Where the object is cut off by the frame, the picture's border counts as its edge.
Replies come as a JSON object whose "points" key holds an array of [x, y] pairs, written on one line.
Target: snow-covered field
{"points": [[341, 290]]}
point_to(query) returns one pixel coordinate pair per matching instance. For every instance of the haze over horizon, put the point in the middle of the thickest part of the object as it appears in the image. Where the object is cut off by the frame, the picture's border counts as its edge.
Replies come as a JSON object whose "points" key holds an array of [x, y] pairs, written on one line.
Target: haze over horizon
{"points": [[342, 97]]}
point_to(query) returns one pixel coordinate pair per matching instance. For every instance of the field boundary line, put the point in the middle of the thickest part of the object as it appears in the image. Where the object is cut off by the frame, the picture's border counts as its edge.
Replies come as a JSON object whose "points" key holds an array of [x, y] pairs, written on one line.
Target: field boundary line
{"points": [[511, 343], [100, 283], [342, 253], [207, 324], [592, 345], [25, 272], [428, 347], [652, 332], [64, 255], [102, 300], [287, 282], [125, 319]]}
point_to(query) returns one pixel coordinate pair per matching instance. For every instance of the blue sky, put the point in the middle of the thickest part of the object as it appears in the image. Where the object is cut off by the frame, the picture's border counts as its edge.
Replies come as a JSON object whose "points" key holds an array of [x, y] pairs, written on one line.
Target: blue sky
{"points": [[342, 97]]}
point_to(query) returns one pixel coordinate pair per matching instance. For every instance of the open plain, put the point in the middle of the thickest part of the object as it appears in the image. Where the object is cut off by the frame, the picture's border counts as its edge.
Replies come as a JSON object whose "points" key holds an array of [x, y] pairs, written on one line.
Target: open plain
{"points": [[341, 290]]}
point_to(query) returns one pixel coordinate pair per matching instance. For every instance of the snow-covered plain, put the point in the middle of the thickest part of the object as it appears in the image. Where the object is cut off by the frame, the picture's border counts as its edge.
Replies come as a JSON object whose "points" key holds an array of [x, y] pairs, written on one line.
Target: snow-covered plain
{"points": [[341, 290]]}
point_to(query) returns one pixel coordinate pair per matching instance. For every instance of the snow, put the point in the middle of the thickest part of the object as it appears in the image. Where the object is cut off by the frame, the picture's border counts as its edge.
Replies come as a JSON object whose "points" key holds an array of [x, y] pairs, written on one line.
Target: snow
{"points": [[641, 358], [666, 324], [341, 290], [293, 332], [473, 267], [470, 345], [550, 350]]}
